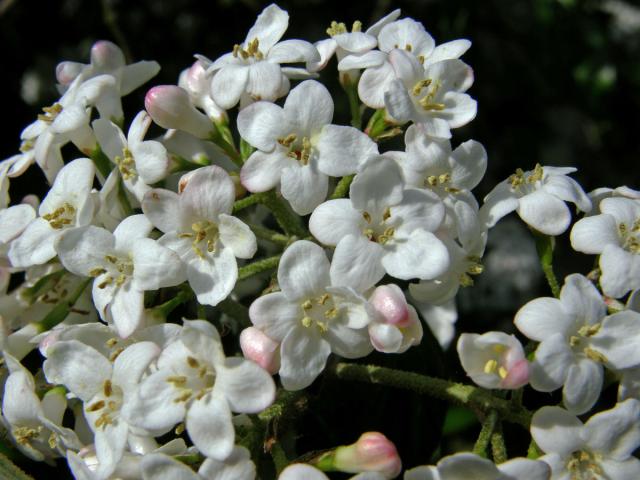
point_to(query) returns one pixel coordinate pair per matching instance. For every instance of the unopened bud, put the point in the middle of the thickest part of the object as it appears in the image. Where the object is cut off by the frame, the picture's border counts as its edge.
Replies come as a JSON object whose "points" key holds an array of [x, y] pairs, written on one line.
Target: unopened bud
{"points": [[373, 452], [261, 349], [106, 55], [170, 107], [66, 72], [197, 84], [391, 303]]}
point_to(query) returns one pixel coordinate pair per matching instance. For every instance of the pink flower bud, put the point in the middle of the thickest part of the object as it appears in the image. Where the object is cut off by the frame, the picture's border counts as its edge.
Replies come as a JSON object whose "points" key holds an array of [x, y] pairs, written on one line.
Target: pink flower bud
{"points": [[373, 452], [391, 303], [170, 107], [107, 55], [261, 349], [66, 72]]}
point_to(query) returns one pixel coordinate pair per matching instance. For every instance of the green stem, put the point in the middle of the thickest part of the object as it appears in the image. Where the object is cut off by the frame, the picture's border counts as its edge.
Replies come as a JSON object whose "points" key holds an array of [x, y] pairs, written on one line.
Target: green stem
{"points": [[534, 451], [342, 188], [101, 161], [246, 202], [123, 199], [457, 393], [218, 137], [498, 447], [544, 246], [60, 311], [169, 306], [258, 267], [268, 234], [287, 405], [245, 149], [280, 460], [354, 104], [42, 286], [9, 471], [287, 220], [486, 432]]}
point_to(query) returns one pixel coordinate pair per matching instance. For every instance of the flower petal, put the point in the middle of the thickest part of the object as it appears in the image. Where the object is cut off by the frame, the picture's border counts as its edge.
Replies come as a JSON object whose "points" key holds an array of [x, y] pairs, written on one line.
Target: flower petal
{"points": [[303, 357], [209, 426]]}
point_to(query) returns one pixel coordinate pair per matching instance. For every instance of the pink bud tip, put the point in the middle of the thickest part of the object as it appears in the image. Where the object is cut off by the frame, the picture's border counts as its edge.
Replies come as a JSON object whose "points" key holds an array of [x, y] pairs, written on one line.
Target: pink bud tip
{"points": [[373, 452], [391, 303], [517, 376], [66, 72], [107, 55], [170, 107], [261, 349]]}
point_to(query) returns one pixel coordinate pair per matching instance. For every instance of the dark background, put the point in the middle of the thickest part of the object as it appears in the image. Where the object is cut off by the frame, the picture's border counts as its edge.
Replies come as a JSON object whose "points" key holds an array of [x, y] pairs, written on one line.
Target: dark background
{"points": [[557, 83]]}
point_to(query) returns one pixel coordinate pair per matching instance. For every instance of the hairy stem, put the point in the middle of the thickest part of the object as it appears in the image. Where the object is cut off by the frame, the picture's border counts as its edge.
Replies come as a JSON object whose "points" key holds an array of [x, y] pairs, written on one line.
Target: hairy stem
{"points": [[342, 188], [258, 267], [288, 220], [544, 246], [486, 432]]}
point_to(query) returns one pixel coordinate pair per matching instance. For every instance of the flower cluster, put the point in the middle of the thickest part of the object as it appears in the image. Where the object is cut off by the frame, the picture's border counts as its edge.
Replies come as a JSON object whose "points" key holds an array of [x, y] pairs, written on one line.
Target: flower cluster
{"points": [[291, 238]]}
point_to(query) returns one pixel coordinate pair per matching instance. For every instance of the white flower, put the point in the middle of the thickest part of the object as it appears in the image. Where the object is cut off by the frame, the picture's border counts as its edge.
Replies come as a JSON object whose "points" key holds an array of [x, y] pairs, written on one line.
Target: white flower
{"points": [[298, 147], [539, 197], [382, 228], [35, 424], [196, 383], [252, 70], [440, 319], [140, 163], [124, 263], [196, 83], [432, 97], [615, 235], [302, 471], [238, 466], [315, 313], [103, 387], [463, 466], [601, 448], [68, 204], [199, 227], [576, 339], [493, 360], [405, 34]]}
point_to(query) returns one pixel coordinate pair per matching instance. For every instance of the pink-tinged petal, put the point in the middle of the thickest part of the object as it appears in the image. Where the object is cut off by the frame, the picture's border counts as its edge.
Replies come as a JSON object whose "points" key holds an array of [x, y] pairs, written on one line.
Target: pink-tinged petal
{"points": [[127, 310], [378, 185], [262, 171], [209, 426], [67, 363], [342, 150], [293, 51], [130, 231], [262, 124], [309, 107], [274, 314], [357, 263], [385, 338], [228, 84], [83, 249], [557, 431], [335, 219], [582, 386], [304, 186], [303, 271], [374, 83], [417, 255], [552, 361], [209, 192], [269, 27], [260, 348], [265, 81], [247, 387], [620, 271], [156, 466], [153, 406], [544, 212], [542, 317], [616, 432], [237, 236], [162, 207], [304, 356], [593, 234]]}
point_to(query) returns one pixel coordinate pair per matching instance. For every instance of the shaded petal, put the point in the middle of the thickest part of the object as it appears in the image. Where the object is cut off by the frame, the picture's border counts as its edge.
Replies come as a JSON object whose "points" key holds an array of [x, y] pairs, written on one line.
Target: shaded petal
{"points": [[274, 314], [131, 364], [157, 466], [155, 266], [83, 249], [152, 161], [303, 357], [620, 271], [615, 432], [236, 235], [592, 234], [247, 387], [228, 84], [357, 263], [342, 150], [127, 309], [209, 426], [261, 124], [131, 230], [262, 171], [35, 246], [304, 187], [374, 83], [582, 386], [552, 361], [333, 220], [544, 212], [303, 271], [379, 185], [309, 107], [162, 208], [500, 202], [542, 317], [265, 80], [557, 431], [208, 193], [418, 255], [293, 51]]}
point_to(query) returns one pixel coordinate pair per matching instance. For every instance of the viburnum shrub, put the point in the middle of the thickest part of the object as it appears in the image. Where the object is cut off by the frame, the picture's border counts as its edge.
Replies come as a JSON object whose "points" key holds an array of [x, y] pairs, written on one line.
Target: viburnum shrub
{"points": [[191, 305]]}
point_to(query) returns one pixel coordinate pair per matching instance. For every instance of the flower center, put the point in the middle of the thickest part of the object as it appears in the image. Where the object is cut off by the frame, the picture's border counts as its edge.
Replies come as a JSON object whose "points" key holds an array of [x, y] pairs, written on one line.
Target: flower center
{"points": [[495, 365], [630, 236], [336, 28], [205, 236], [25, 435], [522, 179], [298, 150], [378, 232], [126, 164], [580, 342], [107, 406], [50, 113], [318, 312], [583, 466], [120, 269], [440, 182], [473, 268], [196, 385], [427, 101], [61, 216], [251, 51]]}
